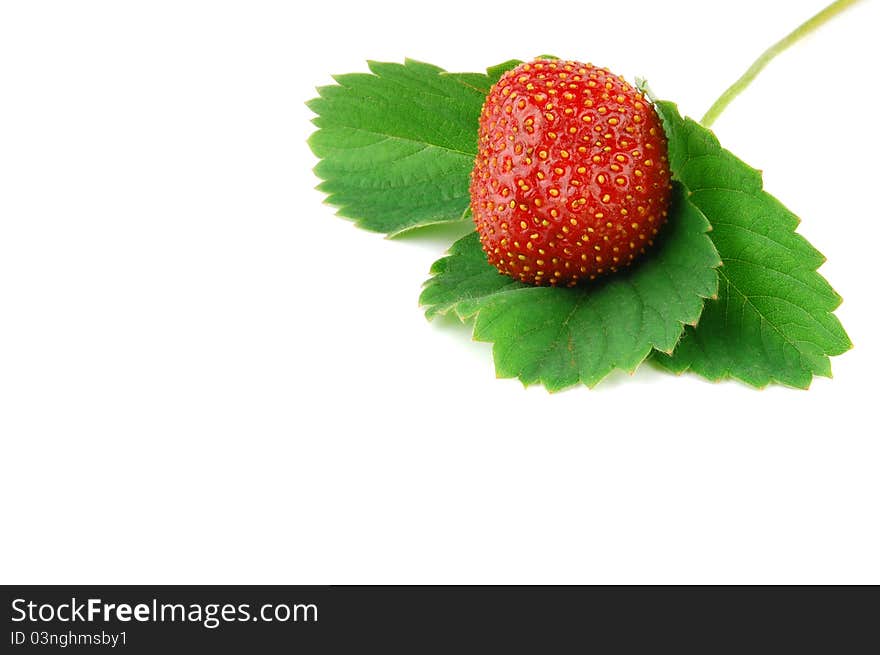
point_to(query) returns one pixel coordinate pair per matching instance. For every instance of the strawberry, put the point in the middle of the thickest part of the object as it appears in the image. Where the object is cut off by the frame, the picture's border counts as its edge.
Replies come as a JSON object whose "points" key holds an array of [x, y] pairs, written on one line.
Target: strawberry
{"points": [[571, 181]]}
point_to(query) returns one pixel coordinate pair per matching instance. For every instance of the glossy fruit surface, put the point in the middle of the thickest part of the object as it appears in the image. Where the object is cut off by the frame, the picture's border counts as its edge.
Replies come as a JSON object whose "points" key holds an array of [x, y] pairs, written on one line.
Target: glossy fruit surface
{"points": [[571, 181]]}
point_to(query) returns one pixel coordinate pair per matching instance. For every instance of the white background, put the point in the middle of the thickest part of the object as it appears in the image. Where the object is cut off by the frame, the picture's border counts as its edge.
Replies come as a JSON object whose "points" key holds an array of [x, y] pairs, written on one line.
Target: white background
{"points": [[206, 377]]}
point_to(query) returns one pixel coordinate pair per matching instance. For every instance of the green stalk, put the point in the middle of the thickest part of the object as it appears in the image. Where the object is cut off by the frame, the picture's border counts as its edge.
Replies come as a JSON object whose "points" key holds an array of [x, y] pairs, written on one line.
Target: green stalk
{"points": [[806, 28]]}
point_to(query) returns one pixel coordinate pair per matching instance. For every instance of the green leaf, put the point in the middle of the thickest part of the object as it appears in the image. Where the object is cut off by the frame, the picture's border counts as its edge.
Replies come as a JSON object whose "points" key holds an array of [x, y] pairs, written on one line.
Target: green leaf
{"points": [[559, 337], [772, 321], [397, 146]]}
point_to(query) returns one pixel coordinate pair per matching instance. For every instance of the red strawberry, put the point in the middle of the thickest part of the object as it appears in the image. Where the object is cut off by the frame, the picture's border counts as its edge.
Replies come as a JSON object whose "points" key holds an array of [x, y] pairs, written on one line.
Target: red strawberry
{"points": [[572, 180]]}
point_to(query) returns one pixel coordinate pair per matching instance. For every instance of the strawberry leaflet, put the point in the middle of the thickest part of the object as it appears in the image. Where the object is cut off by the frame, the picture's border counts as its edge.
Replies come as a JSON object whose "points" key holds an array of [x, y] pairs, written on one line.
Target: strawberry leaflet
{"points": [[772, 321], [559, 337], [397, 147]]}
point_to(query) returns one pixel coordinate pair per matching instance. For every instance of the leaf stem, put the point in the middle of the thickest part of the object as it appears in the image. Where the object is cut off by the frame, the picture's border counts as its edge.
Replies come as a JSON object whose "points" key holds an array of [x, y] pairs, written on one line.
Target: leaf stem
{"points": [[806, 28]]}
